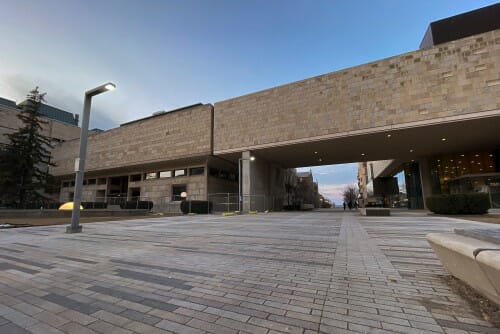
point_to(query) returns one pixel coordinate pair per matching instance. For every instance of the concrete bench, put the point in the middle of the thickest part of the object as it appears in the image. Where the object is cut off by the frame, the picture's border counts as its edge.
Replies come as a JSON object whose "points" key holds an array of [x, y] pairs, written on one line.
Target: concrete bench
{"points": [[473, 256], [375, 211]]}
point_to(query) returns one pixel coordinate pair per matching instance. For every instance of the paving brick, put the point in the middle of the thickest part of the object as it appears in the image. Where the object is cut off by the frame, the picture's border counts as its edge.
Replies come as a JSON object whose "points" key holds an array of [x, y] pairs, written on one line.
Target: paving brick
{"points": [[241, 326], [51, 319], [75, 328], [111, 318], [41, 328], [105, 328], [371, 284], [178, 328], [13, 329], [276, 326]]}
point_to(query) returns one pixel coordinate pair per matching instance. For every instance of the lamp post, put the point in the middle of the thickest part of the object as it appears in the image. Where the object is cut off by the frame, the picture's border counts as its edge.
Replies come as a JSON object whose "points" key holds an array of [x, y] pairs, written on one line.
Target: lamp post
{"points": [[239, 180], [75, 226]]}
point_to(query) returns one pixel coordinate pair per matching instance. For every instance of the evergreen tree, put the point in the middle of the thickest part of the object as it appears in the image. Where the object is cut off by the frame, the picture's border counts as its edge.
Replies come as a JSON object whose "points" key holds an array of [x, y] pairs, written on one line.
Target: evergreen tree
{"points": [[25, 160]]}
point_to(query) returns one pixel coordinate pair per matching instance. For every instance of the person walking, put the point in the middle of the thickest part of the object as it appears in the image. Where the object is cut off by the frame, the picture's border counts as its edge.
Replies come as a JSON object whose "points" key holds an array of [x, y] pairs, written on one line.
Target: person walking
{"points": [[344, 205]]}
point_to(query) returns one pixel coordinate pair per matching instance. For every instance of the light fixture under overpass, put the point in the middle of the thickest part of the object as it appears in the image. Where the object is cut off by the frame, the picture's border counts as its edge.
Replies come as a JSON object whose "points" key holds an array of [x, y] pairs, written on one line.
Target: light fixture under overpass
{"points": [[75, 226]]}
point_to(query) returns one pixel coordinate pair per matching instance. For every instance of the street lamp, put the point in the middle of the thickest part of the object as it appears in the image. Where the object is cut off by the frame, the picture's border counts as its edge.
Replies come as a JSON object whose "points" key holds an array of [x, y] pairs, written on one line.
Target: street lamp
{"points": [[75, 226], [239, 180]]}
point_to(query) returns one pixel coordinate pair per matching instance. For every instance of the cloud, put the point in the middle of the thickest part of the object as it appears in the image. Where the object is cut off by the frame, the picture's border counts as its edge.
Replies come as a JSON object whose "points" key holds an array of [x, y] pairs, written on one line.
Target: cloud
{"points": [[334, 191]]}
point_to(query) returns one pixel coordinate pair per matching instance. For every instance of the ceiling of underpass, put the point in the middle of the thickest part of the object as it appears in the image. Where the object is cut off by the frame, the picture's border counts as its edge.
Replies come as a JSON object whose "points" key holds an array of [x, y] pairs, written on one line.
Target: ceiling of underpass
{"points": [[401, 144]]}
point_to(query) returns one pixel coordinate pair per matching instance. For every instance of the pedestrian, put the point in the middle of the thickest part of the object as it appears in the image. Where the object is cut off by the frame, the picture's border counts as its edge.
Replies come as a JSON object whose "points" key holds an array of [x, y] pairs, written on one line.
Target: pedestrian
{"points": [[344, 205]]}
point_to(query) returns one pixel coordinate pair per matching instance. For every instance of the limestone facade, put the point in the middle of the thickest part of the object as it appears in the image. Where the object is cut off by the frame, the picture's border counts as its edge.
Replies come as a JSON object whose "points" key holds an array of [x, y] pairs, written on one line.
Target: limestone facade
{"points": [[176, 135], [448, 80]]}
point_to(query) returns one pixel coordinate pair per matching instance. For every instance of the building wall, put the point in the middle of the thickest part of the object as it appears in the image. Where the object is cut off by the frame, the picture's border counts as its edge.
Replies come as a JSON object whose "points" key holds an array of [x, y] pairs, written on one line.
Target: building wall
{"points": [[157, 190], [175, 135], [54, 129], [448, 80], [379, 167], [217, 185]]}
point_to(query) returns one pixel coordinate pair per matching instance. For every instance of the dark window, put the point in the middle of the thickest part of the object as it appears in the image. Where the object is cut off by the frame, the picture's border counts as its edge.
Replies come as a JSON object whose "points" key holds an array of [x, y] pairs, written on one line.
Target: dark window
{"points": [[91, 181], [72, 184], [101, 180], [135, 177], [197, 171], [223, 174], [177, 191], [214, 172], [65, 184]]}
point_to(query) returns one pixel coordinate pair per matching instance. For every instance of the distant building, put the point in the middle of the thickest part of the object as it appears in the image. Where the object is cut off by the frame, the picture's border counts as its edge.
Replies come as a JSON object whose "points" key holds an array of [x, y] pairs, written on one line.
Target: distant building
{"points": [[61, 125]]}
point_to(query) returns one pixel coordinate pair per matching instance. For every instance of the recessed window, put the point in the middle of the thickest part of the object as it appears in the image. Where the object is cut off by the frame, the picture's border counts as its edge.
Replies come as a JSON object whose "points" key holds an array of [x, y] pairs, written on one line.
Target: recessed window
{"points": [[65, 184], [150, 176], [135, 177], [180, 172], [167, 173], [177, 191], [101, 180], [197, 171], [91, 181]]}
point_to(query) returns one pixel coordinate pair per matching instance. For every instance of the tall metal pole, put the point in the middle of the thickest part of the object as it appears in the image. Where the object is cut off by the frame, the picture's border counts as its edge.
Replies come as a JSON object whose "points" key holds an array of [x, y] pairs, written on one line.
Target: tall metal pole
{"points": [[75, 226], [239, 185]]}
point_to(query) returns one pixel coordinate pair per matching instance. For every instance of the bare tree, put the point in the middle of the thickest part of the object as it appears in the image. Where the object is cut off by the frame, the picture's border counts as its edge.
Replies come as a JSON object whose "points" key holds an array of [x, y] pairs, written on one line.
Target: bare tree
{"points": [[350, 194]]}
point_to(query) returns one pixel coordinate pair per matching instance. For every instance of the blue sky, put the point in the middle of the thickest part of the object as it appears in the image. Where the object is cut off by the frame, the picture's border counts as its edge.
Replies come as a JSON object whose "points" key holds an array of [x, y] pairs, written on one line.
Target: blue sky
{"points": [[167, 54]]}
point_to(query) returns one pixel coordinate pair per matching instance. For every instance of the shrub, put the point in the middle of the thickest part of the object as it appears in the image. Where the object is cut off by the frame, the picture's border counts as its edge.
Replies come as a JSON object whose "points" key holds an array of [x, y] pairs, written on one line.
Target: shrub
{"points": [[196, 207], [453, 204], [94, 205]]}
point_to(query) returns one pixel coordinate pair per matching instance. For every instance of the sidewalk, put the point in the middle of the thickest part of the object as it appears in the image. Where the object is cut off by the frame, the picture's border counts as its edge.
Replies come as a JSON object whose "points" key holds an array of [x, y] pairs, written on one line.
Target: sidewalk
{"points": [[316, 272]]}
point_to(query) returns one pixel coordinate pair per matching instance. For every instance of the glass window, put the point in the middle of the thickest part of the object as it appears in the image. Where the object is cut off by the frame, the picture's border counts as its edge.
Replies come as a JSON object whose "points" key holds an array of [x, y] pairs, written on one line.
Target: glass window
{"points": [[92, 181], [180, 172], [197, 171], [149, 176], [167, 173]]}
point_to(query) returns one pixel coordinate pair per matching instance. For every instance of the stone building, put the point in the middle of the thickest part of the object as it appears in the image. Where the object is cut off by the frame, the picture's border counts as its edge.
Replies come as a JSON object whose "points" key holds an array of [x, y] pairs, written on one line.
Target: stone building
{"points": [[418, 109], [466, 165], [158, 158]]}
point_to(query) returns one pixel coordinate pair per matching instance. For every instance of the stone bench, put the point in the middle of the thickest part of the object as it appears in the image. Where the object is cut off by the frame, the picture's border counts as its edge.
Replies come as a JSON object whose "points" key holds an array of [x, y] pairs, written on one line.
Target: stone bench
{"points": [[375, 211], [473, 256]]}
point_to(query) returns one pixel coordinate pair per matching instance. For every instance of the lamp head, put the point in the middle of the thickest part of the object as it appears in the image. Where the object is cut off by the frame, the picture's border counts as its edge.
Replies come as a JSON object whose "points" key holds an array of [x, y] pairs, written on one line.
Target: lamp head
{"points": [[101, 89]]}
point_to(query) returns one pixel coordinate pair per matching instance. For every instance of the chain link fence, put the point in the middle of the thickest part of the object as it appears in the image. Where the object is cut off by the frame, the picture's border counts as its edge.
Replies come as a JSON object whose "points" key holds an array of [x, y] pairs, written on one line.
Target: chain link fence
{"points": [[202, 204]]}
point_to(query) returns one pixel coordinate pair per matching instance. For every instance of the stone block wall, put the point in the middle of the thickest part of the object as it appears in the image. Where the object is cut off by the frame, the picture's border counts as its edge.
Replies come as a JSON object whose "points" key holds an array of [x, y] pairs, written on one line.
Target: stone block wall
{"points": [[448, 80], [171, 136], [54, 129]]}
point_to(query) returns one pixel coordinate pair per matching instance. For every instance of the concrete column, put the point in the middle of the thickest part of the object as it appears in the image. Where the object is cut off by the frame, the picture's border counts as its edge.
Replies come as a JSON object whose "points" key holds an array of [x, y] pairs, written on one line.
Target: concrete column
{"points": [[246, 184], [425, 179]]}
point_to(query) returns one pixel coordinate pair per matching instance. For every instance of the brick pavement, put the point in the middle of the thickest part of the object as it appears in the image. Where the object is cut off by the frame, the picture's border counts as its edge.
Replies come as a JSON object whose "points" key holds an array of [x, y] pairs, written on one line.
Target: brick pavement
{"points": [[316, 272]]}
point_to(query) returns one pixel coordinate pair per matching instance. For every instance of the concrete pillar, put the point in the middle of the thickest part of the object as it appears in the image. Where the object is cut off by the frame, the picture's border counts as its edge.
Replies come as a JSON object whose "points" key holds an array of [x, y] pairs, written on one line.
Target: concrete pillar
{"points": [[425, 179], [261, 183], [246, 184]]}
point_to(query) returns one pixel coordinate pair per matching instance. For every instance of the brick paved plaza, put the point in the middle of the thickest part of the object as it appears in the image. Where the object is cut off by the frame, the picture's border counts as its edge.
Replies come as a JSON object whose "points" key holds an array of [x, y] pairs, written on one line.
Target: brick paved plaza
{"points": [[316, 272]]}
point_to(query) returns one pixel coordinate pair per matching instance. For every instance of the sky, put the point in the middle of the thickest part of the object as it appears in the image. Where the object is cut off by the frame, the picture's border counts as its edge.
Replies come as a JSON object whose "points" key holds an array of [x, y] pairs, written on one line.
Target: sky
{"points": [[165, 54]]}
